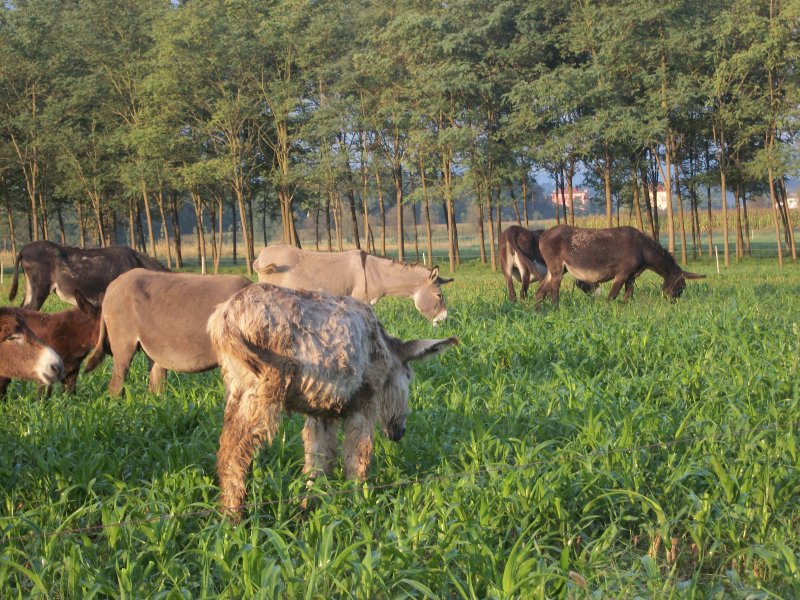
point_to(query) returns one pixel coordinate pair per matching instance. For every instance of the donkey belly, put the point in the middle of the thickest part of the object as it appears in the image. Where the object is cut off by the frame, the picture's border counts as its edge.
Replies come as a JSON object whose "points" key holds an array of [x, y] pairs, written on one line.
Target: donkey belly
{"points": [[587, 274]]}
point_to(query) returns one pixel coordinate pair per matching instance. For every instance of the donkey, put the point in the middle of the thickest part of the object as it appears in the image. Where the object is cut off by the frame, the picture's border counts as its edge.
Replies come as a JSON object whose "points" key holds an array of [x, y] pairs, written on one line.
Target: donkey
{"points": [[325, 356], [165, 315], [599, 255], [23, 355], [353, 273], [70, 333], [51, 267], [521, 259]]}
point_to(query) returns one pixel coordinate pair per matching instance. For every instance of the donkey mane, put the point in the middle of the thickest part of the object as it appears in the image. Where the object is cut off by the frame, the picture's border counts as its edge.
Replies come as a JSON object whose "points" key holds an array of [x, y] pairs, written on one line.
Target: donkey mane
{"points": [[660, 250]]}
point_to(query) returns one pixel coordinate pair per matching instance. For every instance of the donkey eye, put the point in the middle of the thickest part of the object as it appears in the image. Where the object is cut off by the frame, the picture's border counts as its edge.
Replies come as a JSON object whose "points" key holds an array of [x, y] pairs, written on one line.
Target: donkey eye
{"points": [[14, 337]]}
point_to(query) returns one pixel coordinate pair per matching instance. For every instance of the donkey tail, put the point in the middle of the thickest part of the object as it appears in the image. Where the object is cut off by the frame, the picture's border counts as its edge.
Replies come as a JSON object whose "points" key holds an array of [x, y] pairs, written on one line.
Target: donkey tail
{"points": [[12, 293], [514, 249], [98, 353], [266, 269], [151, 263]]}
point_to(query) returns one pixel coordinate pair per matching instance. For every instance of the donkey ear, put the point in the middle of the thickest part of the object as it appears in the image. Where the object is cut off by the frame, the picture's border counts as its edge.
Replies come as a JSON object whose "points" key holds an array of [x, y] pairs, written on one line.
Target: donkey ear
{"points": [[689, 275], [434, 274], [443, 280], [83, 304], [419, 349]]}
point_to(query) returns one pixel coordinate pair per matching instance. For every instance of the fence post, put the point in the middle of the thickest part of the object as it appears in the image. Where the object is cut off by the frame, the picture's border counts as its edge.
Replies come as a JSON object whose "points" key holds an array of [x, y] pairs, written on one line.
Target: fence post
{"points": [[716, 253]]}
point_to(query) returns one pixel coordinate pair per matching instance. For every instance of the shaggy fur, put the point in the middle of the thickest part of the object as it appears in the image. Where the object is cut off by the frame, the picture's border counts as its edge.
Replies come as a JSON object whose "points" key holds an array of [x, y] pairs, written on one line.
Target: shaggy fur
{"points": [[598, 255], [325, 356], [70, 333], [353, 273], [23, 355]]}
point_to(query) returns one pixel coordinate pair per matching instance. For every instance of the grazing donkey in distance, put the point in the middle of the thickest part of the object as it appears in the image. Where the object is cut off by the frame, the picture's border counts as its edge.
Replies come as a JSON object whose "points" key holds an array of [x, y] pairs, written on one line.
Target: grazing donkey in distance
{"points": [[51, 267], [23, 355], [70, 333], [353, 273], [521, 259], [325, 356], [599, 255]]}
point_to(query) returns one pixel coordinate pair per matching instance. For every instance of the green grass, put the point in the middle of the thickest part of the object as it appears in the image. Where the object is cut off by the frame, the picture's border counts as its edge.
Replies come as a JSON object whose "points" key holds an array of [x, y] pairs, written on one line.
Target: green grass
{"points": [[589, 450]]}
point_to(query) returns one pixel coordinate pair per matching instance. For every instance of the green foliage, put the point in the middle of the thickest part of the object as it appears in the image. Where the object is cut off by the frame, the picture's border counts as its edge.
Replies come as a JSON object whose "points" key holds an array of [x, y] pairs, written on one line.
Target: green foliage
{"points": [[592, 449]]}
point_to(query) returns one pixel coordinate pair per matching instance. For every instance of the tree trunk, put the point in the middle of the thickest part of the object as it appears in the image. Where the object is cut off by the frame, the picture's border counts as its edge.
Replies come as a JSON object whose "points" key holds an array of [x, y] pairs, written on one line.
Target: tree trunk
{"points": [[382, 209], [426, 206], [648, 205], [61, 230], [570, 191], [489, 213], [607, 186], [524, 204], [351, 197], [201, 237], [739, 237], [636, 204], [233, 231], [164, 230], [481, 235], [774, 199], [448, 196], [149, 218], [680, 204], [789, 224], [397, 177], [176, 229], [328, 222], [746, 225]]}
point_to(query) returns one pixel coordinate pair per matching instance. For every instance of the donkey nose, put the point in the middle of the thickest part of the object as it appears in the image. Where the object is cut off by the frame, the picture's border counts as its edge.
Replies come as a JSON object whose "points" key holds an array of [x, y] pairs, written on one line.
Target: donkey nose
{"points": [[50, 368], [397, 433], [440, 317]]}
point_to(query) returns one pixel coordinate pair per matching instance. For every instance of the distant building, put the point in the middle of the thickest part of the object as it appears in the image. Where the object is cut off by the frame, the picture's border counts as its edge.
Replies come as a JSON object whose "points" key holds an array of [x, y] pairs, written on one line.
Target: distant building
{"points": [[579, 197], [793, 200], [661, 197]]}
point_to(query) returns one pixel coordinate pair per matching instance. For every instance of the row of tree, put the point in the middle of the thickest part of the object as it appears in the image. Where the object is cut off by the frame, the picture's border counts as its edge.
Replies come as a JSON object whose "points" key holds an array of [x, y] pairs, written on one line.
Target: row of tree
{"points": [[115, 113]]}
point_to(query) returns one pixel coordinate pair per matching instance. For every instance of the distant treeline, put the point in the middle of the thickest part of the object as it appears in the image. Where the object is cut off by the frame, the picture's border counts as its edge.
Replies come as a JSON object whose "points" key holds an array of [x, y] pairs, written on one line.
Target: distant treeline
{"points": [[115, 115]]}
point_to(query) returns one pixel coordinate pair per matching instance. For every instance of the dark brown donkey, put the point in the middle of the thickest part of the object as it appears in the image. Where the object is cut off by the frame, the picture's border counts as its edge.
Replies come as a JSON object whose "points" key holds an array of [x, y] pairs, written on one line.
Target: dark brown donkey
{"points": [[599, 255], [51, 267], [70, 333], [521, 259], [23, 355]]}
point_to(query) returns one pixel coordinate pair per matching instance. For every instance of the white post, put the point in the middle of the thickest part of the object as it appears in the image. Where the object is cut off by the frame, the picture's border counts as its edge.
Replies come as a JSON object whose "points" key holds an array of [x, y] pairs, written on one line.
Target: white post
{"points": [[1, 273], [424, 261], [203, 265], [716, 253]]}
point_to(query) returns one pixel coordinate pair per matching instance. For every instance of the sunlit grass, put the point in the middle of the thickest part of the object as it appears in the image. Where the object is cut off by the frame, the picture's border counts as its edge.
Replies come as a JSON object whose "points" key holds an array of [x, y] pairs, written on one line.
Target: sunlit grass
{"points": [[591, 449]]}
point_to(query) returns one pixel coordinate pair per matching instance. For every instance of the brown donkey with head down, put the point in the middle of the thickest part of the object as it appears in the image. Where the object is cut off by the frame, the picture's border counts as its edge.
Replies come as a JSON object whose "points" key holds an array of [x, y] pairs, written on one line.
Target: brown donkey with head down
{"points": [[23, 355], [325, 356], [620, 254], [71, 333]]}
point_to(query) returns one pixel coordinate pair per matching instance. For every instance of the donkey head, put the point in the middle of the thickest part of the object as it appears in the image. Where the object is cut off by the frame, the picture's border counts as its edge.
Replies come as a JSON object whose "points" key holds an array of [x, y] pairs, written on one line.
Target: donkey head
{"points": [[23, 355], [428, 297], [393, 405]]}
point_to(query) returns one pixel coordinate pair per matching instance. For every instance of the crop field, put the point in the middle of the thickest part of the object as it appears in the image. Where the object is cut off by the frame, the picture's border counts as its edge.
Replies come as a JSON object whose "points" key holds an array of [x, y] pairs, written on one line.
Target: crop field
{"points": [[588, 450]]}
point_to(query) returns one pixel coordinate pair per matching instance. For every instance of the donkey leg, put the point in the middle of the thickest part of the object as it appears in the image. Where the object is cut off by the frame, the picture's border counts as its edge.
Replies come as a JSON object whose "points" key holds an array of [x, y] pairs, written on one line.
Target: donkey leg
{"points": [[616, 286], [512, 295], [158, 378], [357, 446], [247, 422], [525, 276], [123, 352], [319, 441], [628, 289]]}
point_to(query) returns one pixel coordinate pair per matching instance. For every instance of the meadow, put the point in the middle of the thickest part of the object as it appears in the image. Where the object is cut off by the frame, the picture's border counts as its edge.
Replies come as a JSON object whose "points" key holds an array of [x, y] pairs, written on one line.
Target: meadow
{"points": [[588, 450]]}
